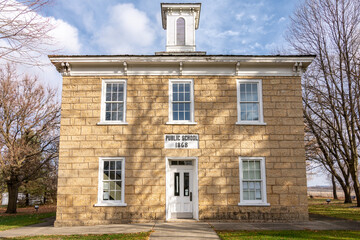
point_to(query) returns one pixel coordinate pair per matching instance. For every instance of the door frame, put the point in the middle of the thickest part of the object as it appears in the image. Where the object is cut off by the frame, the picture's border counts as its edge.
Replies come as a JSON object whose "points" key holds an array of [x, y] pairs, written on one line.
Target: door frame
{"points": [[195, 186]]}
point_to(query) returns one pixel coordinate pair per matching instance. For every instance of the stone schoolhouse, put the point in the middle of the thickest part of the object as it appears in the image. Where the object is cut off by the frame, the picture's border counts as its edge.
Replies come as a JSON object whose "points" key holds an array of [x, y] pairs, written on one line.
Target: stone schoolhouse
{"points": [[181, 134]]}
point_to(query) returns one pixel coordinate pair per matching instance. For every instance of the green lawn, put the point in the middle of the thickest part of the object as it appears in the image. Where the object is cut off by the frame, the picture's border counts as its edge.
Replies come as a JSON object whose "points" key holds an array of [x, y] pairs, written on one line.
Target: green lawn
{"points": [[124, 236], [9, 222], [294, 235], [336, 208]]}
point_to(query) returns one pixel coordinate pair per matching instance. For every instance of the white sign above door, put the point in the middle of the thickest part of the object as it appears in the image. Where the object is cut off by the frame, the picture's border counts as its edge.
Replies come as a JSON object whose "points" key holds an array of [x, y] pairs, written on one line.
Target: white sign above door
{"points": [[181, 141]]}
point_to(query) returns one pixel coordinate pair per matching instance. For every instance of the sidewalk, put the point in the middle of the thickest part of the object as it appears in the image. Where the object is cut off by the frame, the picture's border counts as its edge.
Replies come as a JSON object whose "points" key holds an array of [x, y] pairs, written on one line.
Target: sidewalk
{"points": [[184, 229]]}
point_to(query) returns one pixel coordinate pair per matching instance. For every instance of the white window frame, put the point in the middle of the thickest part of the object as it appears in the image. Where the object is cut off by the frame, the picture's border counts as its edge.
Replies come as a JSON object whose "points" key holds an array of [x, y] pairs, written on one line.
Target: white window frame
{"points": [[261, 116], [192, 115], [263, 201], [109, 203], [103, 120]]}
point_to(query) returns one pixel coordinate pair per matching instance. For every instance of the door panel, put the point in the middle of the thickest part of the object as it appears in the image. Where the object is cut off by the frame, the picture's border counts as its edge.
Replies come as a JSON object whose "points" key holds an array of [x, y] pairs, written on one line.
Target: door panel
{"points": [[181, 183]]}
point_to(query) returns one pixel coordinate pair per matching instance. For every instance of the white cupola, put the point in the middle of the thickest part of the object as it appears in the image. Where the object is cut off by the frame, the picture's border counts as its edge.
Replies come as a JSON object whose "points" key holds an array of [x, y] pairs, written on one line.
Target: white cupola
{"points": [[180, 20]]}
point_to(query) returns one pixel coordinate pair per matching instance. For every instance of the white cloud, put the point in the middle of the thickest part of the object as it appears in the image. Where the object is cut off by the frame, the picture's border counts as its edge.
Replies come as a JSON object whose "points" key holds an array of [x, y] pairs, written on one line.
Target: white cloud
{"points": [[239, 16], [65, 37], [228, 33], [281, 19], [253, 17], [128, 30]]}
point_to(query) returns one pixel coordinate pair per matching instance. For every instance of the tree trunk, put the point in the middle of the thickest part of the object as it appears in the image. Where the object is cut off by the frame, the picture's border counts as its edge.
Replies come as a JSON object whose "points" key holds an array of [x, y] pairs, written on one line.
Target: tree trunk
{"points": [[347, 194], [334, 187], [27, 200], [356, 186], [13, 189]]}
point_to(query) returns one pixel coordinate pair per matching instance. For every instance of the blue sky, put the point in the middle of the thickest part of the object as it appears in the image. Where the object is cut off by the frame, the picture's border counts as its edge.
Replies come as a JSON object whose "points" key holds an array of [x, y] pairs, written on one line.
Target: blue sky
{"points": [[134, 27]]}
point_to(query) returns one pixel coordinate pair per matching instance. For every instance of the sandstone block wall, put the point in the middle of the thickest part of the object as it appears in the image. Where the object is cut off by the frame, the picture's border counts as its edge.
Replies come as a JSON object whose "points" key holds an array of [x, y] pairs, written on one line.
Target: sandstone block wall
{"points": [[141, 142]]}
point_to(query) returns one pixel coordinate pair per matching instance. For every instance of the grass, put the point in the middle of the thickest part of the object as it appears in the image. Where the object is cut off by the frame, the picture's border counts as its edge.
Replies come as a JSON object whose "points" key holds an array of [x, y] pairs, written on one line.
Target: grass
{"points": [[123, 236], [336, 208], [15, 221], [294, 235]]}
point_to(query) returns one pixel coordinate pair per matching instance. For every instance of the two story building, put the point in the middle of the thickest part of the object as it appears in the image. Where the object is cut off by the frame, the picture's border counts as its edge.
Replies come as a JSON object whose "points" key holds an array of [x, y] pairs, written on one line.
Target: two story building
{"points": [[181, 134]]}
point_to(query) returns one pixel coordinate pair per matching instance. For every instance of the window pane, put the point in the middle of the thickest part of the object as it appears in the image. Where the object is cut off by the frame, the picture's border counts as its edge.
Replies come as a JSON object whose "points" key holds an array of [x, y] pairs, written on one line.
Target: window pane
{"points": [[106, 165], [187, 116], [118, 175], [257, 174], [181, 115], [118, 185], [112, 195], [245, 165], [115, 88], [106, 195], [246, 195], [106, 175], [114, 96], [181, 106], [181, 87], [112, 185], [118, 195], [187, 87], [180, 31], [118, 165], [175, 106], [108, 96], [176, 184], [251, 175], [181, 96], [108, 116], [187, 96], [187, 106], [175, 97], [175, 116], [186, 184], [112, 175], [112, 165], [252, 195], [113, 107], [175, 87], [106, 186]]}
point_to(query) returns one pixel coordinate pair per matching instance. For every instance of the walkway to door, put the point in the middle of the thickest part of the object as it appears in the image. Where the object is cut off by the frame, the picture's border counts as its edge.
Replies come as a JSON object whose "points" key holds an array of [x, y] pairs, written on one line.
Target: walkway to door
{"points": [[185, 229]]}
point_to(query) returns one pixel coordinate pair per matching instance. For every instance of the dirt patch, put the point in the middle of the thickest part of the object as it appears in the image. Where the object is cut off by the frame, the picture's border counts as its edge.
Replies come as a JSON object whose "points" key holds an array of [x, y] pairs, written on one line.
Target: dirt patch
{"points": [[31, 209]]}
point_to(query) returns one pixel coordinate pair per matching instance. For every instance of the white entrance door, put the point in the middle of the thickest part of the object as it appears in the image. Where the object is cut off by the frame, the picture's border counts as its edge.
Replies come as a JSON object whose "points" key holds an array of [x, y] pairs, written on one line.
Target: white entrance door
{"points": [[180, 187]]}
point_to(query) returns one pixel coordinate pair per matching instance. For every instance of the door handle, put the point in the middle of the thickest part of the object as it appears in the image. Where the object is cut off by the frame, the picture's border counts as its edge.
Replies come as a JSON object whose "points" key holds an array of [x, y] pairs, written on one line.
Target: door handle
{"points": [[190, 196]]}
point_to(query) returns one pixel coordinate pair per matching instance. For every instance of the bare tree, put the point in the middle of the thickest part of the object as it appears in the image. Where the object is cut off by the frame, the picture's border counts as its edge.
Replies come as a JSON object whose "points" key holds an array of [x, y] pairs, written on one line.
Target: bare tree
{"points": [[331, 97], [29, 130], [24, 33]]}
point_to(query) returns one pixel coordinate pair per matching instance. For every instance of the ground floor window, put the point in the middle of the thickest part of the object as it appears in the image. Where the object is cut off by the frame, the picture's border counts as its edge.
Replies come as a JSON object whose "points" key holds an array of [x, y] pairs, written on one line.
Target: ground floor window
{"points": [[252, 181], [111, 181]]}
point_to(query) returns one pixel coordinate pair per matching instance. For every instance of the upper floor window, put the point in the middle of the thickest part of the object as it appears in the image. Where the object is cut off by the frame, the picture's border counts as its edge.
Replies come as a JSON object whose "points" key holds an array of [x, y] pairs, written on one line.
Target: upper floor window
{"points": [[180, 31], [113, 101], [181, 101], [111, 182], [249, 97], [252, 181]]}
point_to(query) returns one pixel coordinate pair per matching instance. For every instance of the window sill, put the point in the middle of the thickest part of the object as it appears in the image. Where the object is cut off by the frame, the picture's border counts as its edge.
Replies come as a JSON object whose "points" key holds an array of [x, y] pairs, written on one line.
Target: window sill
{"points": [[251, 123], [254, 204], [110, 205], [111, 123], [181, 123]]}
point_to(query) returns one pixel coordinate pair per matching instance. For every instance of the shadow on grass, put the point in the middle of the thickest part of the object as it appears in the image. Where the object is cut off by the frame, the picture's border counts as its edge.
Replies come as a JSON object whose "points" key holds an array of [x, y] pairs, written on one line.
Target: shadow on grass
{"points": [[15, 221]]}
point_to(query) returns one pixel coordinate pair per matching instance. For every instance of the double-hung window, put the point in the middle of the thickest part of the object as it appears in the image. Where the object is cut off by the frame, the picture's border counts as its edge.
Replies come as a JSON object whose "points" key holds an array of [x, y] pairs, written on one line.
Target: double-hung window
{"points": [[252, 181], [249, 101], [111, 182], [181, 101], [113, 101]]}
